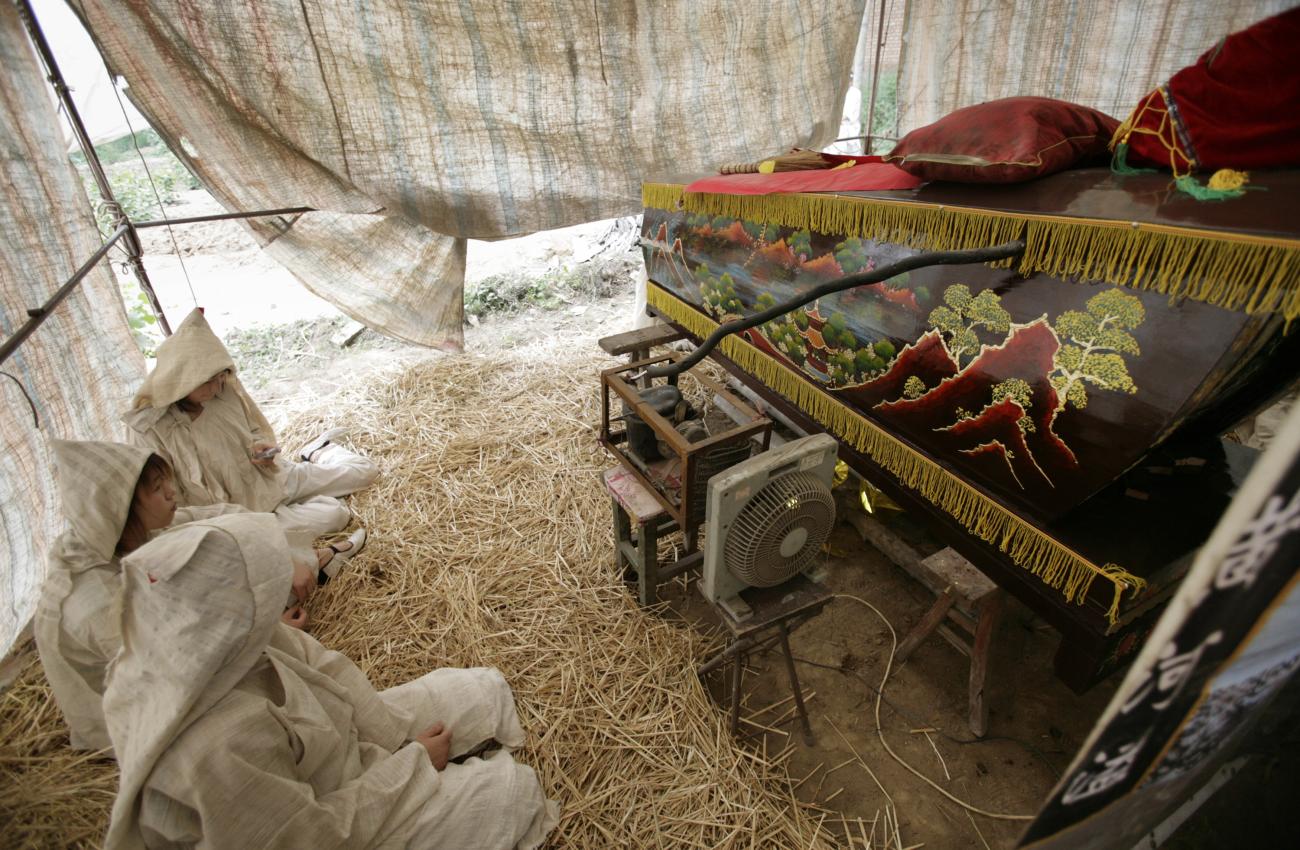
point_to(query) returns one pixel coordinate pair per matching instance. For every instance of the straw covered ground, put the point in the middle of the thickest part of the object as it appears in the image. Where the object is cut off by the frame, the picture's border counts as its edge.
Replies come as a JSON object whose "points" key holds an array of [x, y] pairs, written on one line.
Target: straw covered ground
{"points": [[491, 545]]}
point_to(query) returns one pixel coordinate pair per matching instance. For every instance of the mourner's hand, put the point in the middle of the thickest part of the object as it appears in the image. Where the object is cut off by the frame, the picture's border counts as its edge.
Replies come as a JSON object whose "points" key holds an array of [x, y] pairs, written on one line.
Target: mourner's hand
{"points": [[261, 447], [304, 579], [296, 617], [437, 740]]}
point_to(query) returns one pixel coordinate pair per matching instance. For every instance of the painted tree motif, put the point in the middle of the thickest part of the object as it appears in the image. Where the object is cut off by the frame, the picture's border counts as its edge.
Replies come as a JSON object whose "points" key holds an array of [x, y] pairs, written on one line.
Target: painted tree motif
{"points": [[962, 313], [761, 233], [837, 334], [718, 293], [800, 243], [1094, 342], [913, 387], [1019, 391], [852, 256]]}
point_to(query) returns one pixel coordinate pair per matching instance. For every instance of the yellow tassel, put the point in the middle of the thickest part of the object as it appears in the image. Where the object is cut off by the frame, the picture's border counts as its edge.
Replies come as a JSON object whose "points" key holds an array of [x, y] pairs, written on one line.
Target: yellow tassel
{"points": [[1249, 275], [1028, 547], [1225, 179]]}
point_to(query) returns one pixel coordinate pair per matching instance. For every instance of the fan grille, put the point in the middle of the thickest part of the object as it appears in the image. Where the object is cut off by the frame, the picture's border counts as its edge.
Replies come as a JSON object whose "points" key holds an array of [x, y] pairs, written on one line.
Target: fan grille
{"points": [[793, 510]]}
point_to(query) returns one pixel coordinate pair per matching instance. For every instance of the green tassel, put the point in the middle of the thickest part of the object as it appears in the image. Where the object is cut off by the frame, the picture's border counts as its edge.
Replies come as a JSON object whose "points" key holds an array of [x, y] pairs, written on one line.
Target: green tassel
{"points": [[1190, 186], [1119, 162]]}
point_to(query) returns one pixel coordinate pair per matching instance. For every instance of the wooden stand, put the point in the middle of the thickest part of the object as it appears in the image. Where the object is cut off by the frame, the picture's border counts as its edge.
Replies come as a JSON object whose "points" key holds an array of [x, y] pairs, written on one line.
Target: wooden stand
{"points": [[777, 612], [637, 344], [964, 597], [639, 522]]}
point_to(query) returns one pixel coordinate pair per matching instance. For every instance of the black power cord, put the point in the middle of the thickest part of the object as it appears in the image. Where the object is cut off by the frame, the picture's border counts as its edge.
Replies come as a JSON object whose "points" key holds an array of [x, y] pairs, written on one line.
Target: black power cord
{"points": [[995, 253]]}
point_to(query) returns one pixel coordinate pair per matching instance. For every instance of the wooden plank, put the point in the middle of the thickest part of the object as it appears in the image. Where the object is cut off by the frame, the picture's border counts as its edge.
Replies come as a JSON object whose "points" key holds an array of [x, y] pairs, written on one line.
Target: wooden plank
{"points": [[922, 630], [951, 569], [640, 339], [990, 614]]}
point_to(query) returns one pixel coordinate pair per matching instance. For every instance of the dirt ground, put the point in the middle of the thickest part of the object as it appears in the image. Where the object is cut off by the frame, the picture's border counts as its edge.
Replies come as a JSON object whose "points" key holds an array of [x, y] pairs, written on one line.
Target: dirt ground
{"points": [[1035, 722]]}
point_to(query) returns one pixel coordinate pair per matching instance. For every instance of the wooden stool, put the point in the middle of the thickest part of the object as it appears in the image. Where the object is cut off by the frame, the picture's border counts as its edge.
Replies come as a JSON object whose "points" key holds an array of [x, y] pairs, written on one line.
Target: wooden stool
{"points": [[638, 553], [974, 603], [637, 344], [779, 610]]}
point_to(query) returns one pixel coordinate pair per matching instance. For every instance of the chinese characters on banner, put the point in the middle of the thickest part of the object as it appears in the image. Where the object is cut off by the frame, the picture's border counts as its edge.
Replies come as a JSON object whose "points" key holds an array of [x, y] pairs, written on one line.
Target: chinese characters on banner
{"points": [[1226, 644]]}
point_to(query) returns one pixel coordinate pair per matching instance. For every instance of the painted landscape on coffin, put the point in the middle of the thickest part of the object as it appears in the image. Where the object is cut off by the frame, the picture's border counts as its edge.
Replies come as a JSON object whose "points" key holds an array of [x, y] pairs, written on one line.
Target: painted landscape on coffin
{"points": [[1004, 393]]}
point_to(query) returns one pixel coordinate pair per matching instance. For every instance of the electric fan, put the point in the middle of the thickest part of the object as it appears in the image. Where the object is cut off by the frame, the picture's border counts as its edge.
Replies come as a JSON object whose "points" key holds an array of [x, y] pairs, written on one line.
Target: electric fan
{"points": [[766, 520]]}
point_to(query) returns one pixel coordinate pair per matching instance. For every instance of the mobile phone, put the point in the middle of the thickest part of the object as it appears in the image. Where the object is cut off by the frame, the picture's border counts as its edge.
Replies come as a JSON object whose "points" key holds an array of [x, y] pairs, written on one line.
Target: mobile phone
{"points": [[267, 454]]}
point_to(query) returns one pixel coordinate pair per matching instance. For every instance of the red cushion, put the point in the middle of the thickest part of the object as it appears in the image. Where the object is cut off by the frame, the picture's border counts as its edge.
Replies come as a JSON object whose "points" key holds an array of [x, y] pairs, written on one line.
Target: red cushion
{"points": [[1237, 107], [1005, 141]]}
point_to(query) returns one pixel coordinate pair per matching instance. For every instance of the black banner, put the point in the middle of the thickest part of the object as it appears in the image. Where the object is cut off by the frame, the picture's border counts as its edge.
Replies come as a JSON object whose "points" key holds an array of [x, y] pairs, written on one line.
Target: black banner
{"points": [[1227, 643]]}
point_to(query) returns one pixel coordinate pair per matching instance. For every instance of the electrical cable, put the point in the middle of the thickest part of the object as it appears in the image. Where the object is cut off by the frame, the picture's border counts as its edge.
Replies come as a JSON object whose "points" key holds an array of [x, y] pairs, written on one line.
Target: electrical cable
{"points": [[1035, 751], [36, 420], [880, 732], [153, 187]]}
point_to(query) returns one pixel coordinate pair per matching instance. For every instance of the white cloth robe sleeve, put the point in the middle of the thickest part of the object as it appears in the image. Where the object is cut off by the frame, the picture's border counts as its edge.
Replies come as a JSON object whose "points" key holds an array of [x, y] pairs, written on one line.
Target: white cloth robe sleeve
{"points": [[393, 795]]}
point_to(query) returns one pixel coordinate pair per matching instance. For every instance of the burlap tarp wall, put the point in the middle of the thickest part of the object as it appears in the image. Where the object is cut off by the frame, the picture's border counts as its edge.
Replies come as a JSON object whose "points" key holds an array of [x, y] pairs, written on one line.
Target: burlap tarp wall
{"points": [[1102, 53], [81, 365], [447, 119]]}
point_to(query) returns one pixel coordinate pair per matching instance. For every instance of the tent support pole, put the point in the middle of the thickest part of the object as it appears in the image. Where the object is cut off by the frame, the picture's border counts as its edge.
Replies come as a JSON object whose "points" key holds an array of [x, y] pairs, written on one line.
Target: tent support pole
{"points": [[131, 240], [870, 141]]}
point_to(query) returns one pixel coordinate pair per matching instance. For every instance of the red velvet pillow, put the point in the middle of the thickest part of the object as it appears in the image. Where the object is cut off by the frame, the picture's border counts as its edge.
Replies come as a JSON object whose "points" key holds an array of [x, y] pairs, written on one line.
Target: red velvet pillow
{"points": [[1237, 107], [1005, 141]]}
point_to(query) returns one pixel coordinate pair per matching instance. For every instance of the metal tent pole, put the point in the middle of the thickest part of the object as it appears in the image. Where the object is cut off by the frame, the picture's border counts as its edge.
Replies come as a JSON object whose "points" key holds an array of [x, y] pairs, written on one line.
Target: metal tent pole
{"points": [[131, 239], [870, 141]]}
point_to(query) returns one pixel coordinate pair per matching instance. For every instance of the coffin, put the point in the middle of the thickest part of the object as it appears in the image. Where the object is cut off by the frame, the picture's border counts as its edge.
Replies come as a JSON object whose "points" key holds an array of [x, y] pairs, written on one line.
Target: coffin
{"points": [[1019, 400]]}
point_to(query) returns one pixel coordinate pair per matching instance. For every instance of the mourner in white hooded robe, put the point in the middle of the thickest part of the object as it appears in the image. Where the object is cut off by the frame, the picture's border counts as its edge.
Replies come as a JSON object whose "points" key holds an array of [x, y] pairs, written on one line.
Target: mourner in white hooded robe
{"points": [[212, 451], [232, 730], [76, 622]]}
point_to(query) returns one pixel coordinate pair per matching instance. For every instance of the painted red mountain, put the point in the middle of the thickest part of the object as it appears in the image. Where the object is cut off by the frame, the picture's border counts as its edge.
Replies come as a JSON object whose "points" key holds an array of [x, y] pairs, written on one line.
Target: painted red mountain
{"points": [[980, 444], [994, 437], [825, 267], [780, 254], [927, 359]]}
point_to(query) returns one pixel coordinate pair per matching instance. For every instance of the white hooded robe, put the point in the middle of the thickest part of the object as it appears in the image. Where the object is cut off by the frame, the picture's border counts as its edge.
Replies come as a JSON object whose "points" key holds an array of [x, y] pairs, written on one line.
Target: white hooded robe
{"points": [[234, 731], [76, 623], [211, 455]]}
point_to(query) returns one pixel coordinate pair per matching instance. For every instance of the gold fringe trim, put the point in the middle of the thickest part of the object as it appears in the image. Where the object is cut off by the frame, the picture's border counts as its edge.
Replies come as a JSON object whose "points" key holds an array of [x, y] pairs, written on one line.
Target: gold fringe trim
{"points": [[1028, 547], [1232, 271]]}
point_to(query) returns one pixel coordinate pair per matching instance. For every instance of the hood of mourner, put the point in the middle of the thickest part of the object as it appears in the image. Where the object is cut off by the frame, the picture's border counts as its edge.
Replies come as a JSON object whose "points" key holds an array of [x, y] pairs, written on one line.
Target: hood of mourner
{"points": [[186, 359], [97, 483], [200, 604]]}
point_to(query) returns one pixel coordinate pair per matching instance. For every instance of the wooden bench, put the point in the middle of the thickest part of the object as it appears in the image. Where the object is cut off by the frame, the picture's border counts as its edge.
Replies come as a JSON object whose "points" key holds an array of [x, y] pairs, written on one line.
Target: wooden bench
{"points": [[639, 522], [637, 344], [777, 611], [964, 598]]}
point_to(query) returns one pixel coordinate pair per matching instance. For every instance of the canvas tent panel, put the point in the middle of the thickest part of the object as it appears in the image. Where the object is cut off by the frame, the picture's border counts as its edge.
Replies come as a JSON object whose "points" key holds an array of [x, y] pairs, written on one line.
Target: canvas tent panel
{"points": [[82, 363], [1101, 53], [478, 120]]}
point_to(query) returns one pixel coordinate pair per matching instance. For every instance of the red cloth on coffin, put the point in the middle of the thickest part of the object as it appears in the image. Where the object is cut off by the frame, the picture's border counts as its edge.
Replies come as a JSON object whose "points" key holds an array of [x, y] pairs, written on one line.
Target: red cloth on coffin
{"points": [[1237, 107], [868, 172]]}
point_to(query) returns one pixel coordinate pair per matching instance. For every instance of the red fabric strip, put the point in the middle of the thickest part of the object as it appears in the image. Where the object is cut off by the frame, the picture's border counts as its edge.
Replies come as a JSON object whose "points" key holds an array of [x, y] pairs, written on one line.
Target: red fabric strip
{"points": [[869, 173]]}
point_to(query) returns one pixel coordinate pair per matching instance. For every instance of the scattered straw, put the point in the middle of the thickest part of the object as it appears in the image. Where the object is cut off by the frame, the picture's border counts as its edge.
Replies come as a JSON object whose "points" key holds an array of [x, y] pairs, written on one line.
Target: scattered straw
{"points": [[491, 545]]}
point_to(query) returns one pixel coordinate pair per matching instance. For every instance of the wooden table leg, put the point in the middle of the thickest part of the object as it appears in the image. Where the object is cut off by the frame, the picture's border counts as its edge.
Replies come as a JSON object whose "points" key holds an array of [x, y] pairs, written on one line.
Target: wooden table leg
{"points": [[647, 550], [794, 686], [988, 614], [928, 624], [622, 534], [737, 670]]}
